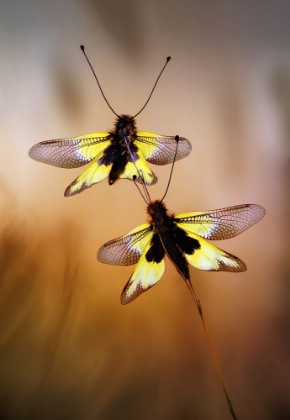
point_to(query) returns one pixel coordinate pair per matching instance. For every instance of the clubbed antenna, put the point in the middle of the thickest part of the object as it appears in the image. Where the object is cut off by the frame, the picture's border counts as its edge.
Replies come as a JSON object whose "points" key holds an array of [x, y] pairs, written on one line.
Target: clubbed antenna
{"points": [[83, 50], [167, 61]]}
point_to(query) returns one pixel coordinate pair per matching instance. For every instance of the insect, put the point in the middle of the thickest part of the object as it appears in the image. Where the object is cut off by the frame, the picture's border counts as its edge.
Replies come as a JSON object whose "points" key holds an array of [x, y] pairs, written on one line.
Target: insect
{"points": [[184, 239], [120, 153]]}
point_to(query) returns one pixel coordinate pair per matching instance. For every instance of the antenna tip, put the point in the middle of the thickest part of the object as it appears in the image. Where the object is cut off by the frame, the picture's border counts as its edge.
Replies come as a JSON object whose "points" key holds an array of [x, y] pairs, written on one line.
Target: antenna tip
{"points": [[168, 59], [177, 138], [134, 177], [82, 48]]}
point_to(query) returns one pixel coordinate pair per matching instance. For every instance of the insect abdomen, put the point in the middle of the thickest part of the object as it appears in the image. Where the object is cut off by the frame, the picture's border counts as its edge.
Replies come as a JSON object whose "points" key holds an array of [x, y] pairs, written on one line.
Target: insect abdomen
{"points": [[118, 167]]}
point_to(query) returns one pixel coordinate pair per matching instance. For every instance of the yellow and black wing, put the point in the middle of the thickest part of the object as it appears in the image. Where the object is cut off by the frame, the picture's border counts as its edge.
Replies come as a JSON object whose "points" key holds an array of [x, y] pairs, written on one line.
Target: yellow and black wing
{"points": [[211, 258], [222, 223], [217, 224], [97, 172], [146, 274], [132, 249], [159, 149], [139, 167], [70, 152], [93, 174], [94, 149]]}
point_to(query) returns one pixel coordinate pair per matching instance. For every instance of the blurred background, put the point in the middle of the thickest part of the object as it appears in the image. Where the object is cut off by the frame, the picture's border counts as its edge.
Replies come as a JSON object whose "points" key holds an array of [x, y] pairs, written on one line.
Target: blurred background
{"points": [[68, 348]]}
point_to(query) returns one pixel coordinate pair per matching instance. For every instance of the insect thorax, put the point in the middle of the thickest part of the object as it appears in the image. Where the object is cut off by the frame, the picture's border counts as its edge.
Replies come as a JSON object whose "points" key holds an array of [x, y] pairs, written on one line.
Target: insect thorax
{"points": [[173, 239], [125, 126], [159, 217]]}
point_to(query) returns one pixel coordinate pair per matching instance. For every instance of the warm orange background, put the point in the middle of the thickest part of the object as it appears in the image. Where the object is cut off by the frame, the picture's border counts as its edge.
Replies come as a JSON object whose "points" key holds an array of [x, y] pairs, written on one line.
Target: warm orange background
{"points": [[68, 349]]}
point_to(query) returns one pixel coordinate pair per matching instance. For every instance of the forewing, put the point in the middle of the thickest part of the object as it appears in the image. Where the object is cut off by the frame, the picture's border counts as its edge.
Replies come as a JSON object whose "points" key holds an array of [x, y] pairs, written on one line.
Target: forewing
{"points": [[71, 152], [127, 249], [146, 275], [222, 223], [211, 258], [159, 149]]}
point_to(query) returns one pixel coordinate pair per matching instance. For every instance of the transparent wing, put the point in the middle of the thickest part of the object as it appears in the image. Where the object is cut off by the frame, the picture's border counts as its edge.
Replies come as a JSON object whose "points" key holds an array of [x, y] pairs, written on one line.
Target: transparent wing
{"points": [[211, 258], [127, 249], [146, 275], [223, 223], [71, 152], [160, 150]]}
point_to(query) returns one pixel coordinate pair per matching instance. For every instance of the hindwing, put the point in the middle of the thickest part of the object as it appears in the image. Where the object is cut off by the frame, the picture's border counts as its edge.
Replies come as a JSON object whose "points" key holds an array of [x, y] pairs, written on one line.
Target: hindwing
{"points": [[94, 173], [206, 256], [146, 274], [139, 167]]}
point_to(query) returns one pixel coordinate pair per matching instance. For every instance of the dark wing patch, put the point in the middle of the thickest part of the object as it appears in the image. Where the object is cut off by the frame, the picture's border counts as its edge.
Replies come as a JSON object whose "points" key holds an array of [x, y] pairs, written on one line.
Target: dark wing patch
{"points": [[187, 244], [156, 251]]}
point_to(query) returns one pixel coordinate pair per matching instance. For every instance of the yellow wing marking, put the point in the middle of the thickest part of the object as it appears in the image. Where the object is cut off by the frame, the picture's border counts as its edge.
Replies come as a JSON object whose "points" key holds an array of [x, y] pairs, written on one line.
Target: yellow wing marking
{"points": [[143, 168], [91, 146], [159, 149], [145, 275], [70, 152], [211, 258], [93, 174]]}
